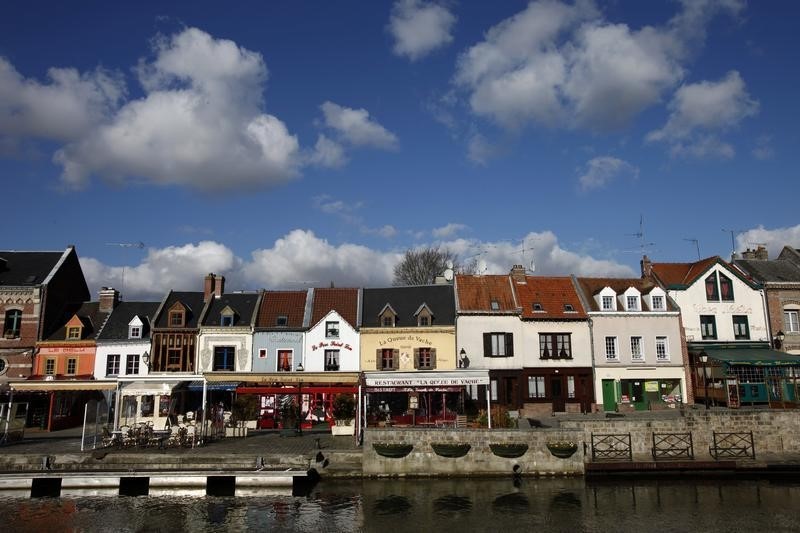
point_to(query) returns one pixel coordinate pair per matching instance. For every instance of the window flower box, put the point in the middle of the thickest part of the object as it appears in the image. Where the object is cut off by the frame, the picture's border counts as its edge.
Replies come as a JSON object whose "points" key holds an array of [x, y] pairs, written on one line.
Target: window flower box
{"points": [[392, 450], [509, 450], [562, 449], [450, 449]]}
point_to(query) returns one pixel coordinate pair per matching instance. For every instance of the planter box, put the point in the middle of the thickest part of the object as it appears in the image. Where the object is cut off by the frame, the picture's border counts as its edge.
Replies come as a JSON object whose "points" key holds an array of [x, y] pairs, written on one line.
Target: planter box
{"points": [[392, 450], [341, 430]]}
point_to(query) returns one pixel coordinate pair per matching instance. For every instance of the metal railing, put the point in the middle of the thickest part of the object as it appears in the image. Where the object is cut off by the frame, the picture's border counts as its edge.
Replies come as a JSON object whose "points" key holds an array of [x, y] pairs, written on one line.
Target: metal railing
{"points": [[673, 446], [613, 446], [732, 445]]}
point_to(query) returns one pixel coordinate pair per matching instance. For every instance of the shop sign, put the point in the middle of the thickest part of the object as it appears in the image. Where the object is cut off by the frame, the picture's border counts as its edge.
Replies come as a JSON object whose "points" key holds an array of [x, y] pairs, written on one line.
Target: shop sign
{"points": [[412, 338], [427, 382], [651, 386], [333, 344]]}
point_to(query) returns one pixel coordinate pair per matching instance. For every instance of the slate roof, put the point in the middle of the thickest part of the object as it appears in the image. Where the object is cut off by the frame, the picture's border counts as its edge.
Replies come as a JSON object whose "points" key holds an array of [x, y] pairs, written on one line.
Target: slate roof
{"points": [[777, 270], [193, 301], [89, 314], [343, 301], [243, 305], [553, 293], [476, 293], [406, 301], [26, 269], [592, 286], [681, 275], [116, 327], [292, 304]]}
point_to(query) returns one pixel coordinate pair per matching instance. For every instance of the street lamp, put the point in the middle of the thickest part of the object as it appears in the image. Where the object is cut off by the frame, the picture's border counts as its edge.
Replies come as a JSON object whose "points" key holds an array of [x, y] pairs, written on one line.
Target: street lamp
{"points": [[778, 340], [463, 360], [146, 360], [704, 359]]}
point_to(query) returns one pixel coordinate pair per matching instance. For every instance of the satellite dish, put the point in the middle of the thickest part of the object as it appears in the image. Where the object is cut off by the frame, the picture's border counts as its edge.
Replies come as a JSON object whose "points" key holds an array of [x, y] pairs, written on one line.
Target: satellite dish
{"points": [[448, 274]]}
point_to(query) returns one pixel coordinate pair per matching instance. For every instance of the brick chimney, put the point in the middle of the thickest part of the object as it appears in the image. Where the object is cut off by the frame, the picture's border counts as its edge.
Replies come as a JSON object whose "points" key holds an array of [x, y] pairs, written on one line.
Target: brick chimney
{"points": [[761, 253], [109, 298], [208, 286], [518, 273], [219, 286], [646, 266]]}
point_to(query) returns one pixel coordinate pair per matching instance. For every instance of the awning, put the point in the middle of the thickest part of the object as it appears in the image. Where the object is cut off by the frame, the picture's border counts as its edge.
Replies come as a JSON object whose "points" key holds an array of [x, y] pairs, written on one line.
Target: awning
{"points": [[752, 356], [284, 377], [218, 385], [32, 386], [440, 380], [147, 388]]}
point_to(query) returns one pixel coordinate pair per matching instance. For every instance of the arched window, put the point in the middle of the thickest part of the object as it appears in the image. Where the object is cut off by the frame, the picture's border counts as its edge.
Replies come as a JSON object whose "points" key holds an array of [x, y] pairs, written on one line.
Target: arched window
{"points": [[12, 324]]}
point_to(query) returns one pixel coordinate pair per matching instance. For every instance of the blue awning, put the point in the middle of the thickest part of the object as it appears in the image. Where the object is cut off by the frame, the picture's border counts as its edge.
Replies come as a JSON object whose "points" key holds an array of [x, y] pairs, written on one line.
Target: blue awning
{"points": [[213, 385]]}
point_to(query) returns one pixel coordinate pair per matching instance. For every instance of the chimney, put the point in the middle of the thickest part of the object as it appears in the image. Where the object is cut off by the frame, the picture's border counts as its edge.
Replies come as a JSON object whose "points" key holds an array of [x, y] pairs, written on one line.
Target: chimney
{"points": [[518, 273], [219, 286], [761, 253], [208, 286], [646, 266], [109, 298]]}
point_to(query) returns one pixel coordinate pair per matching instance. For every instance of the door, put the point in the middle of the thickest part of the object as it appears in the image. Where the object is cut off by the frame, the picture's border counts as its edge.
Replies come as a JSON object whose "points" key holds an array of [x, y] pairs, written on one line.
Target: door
{"points": [[511, 393], [637, 395], [609, 395], [557, 394]]}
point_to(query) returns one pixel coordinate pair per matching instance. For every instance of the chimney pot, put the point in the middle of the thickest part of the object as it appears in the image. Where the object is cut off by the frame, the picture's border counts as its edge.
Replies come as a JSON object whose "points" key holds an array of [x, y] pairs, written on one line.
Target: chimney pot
{"points": [[108, 299]]}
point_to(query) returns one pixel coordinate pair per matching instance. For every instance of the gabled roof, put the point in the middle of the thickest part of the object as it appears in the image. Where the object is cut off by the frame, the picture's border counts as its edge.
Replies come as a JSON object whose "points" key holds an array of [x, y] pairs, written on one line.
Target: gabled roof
{"points": [[291, 304], [681, 275], [27, 269], [244, 306], [476, 293], [116, 327], [343, 301], [406, 301], [553, 293], [592, 286], [790, 253], [89, 315], [775, 271], [192, 301]]}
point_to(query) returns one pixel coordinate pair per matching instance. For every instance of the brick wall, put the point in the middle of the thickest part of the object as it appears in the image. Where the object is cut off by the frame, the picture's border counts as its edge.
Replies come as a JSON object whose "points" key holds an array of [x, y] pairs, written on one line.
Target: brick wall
{"points": [[776, 300]]}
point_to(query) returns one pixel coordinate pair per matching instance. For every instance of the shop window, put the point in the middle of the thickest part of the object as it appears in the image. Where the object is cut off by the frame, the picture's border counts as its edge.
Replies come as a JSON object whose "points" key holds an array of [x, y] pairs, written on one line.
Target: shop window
{"points": [[284, 360], [536, 387], [636, 349], [112, 364], [708, 327], [424, 358], [741, 330], [498, 344], [332, 329], [662, 349], [555, 346], [72, 366], [224, 358], [132, 364], [12, 324], [129, 405], [3, 366], [148, 405], [332, 360], [50, 367]]}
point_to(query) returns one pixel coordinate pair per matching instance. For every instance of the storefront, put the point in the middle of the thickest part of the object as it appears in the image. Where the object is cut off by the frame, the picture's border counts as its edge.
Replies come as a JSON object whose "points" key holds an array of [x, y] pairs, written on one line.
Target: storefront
{"points": [[150, 401], [66, 399], [419, 399]]}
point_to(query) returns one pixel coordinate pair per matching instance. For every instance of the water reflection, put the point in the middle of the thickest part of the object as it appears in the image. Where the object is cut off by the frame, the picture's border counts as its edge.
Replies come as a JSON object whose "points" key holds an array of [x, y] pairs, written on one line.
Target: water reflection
{"points": [[392, 505], [451, 504], [511, 503]]}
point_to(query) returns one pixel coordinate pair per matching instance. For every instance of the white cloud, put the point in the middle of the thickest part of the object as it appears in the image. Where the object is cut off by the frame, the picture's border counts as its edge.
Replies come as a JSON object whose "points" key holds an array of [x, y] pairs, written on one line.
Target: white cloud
{"points": [[448, 230], [201, 123], [763, 149], [328, 153], [479, 149], [419, 28], [563, 65], [301, 257], [600, 171], [356, 127], [774, 239], [348, 212], [703, 147]]}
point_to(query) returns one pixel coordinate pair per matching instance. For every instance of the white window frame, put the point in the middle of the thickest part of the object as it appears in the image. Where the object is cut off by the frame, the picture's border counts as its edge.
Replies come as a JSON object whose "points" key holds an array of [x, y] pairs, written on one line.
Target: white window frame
{"points": [[332, 329], [536, 387], [660, 306], [132, 369], [612, 353], [632, 302], [665, 356], [637, 357], [108, 362], [493, 390], [498, 341], [789, 324], [607, 303]]}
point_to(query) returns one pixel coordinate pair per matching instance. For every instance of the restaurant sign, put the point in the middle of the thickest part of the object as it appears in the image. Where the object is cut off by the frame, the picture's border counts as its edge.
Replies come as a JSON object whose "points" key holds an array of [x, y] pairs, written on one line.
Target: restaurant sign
{"points": [[427, 381]]}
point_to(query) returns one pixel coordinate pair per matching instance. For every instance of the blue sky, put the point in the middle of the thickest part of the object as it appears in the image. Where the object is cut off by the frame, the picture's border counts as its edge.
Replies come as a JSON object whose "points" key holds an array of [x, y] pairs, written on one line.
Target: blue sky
{"points": [[286, 144]]}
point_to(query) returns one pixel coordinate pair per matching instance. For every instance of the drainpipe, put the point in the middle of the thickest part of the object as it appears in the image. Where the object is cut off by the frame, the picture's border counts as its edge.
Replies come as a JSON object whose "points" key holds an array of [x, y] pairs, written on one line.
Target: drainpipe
{"points": [[594, 364], [763, 294]]}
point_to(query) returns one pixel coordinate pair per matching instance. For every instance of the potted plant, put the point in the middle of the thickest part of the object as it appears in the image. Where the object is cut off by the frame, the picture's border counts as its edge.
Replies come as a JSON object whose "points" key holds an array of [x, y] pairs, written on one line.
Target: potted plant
{"points": [[244, 409], [562, 448], [288, 419], [344, 411]]}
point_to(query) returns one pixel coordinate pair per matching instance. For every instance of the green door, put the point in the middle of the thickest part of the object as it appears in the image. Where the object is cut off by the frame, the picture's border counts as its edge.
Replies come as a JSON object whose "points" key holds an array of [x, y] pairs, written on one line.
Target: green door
{"points": [[609, 395]]}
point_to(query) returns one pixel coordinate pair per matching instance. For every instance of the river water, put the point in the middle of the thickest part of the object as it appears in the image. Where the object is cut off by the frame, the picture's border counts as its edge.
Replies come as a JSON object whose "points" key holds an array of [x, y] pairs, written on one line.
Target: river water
{"points": [[459, 505]]}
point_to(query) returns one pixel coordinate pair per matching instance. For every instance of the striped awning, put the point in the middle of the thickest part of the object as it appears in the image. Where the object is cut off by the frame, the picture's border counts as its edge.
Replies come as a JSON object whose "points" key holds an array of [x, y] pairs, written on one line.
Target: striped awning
{"points": [[215, 385], [46, 386]]}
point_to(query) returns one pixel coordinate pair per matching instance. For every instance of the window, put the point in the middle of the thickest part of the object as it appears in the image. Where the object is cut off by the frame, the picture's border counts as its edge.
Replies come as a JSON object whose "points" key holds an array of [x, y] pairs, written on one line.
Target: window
{"points": [[636, 349], [425, 358], [388, 321], [72, 366], [73, 333], [284, 360], [135, 332], [388, 359], [50, 367], [224, 358], [331, 359], [570, 386], [740, 329], [226, 320], [662, 349], [132, 364], [536, 387], [176, 319], [708, 327], [282, 320], [555, 346], [658, 303], [608, 303], [262, 353], [633, 303], [424, 321], [3, 366], [498, 344], [611, 348], [726, 288], [332, 329], [493, 390], [495, 305], [12, 324], [538, 307], [569, 308], [112, 365], [712, 293], [790, 321]]}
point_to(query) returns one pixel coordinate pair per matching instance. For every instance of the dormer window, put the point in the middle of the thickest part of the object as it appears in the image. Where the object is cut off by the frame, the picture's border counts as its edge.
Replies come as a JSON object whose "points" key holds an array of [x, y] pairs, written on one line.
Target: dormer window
{"points": [[388, 321], [73, 333], [495, 305], [632, 303], [424, 315], [282, 321], [712, 293], [135, 332], [537, 307], [424, 321], [608, 303], [569, 308], [726, 288], [176, 319], [658, 302], [388, 317]]}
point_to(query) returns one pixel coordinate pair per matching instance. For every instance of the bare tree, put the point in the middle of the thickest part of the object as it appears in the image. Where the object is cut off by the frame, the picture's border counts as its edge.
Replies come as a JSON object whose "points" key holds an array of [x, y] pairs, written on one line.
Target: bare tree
{"points": [[420, 267]]}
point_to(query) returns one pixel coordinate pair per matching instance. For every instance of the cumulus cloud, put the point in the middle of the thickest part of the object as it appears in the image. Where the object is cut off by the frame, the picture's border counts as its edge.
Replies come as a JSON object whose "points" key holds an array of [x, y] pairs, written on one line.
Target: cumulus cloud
{"points": [[356, 127], [448, 230], [774, 239], [419, 28], [563, 65], [201, 123], [328, 153], [301, 257], [600, 171]]}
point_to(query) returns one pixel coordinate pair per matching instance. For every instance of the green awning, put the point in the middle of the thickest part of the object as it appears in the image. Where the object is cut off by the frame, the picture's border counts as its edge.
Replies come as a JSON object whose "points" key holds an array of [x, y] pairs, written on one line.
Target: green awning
{"points": [[752, 356]]}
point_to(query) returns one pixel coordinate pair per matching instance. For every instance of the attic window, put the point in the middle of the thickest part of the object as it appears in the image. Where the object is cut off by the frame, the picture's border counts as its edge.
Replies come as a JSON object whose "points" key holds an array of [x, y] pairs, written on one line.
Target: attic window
{"points": [[176, 319], [134, 332], [424, 320], [226, 320], [495, 305], [73, 333], [282, 320], [569, 308], [538, 307]]}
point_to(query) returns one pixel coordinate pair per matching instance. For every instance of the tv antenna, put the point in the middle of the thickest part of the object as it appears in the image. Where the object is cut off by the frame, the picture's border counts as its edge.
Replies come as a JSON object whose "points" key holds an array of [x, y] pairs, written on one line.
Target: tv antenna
{"points": [[733, 232], [139, 245], [697, 245], [640, 235]]}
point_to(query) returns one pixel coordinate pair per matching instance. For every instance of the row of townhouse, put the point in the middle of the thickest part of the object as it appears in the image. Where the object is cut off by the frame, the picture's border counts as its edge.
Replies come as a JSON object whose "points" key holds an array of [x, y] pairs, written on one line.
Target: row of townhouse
{"points": [[413, 355]]}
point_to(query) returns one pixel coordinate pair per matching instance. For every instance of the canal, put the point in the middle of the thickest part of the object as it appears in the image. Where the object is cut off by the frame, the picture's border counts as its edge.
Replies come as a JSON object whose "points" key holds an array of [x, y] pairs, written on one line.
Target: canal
{"points": [[393, 506]]}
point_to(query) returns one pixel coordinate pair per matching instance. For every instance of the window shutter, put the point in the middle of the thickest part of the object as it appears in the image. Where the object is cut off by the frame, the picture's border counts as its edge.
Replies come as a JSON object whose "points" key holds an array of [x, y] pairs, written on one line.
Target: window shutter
{"points": [[395, 359], [378, 359], [487, 344], [509, 344], [433, 358], [416, 358]]}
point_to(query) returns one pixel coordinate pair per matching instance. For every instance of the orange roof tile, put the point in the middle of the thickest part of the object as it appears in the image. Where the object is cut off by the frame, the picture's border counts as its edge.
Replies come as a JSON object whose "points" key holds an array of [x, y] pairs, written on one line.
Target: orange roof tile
{"points": [[682, 273], [553, 294], [276, 303], [476, 293], [343, 301], [591, 286]]}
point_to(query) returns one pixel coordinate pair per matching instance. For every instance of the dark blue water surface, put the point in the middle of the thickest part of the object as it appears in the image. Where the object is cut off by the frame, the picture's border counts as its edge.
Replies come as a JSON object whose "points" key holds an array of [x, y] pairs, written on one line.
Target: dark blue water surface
{"points": [[392, 506]]}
